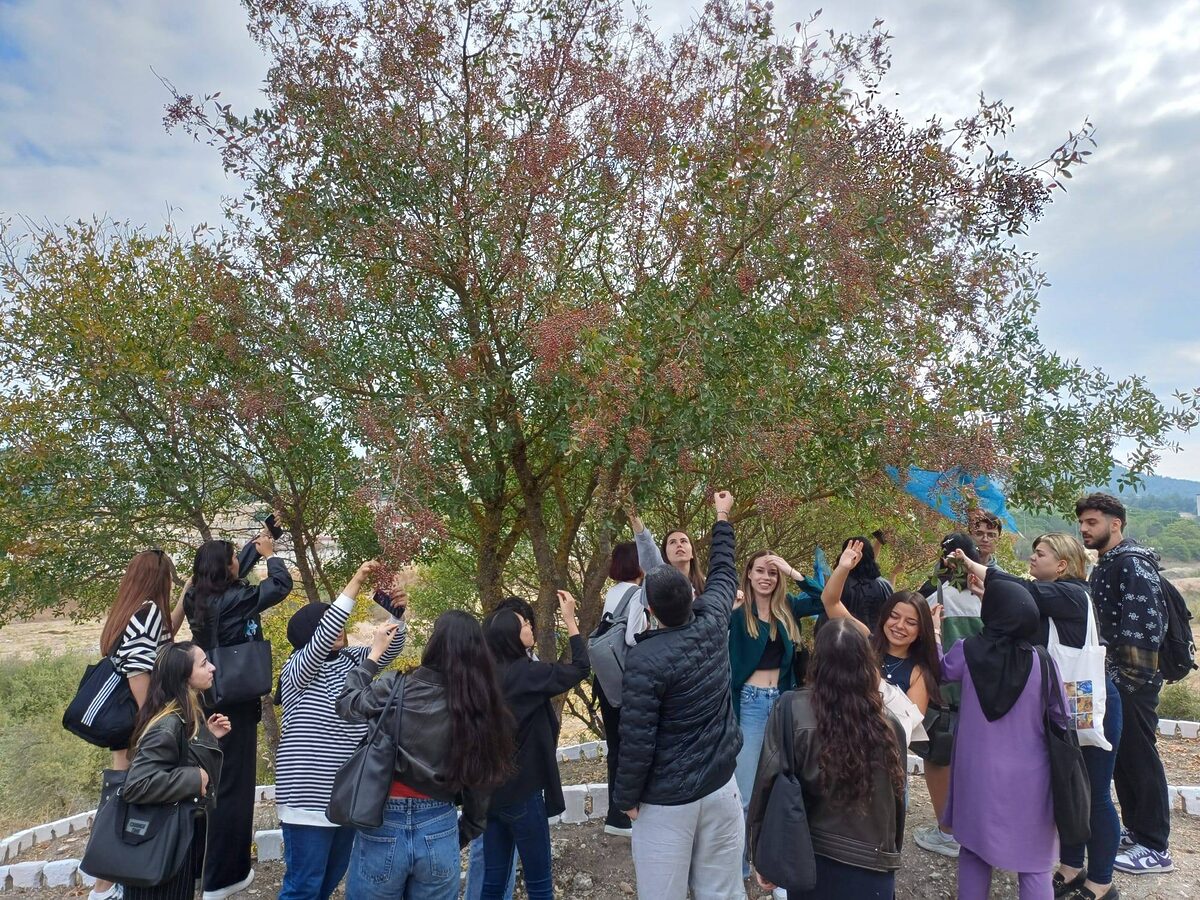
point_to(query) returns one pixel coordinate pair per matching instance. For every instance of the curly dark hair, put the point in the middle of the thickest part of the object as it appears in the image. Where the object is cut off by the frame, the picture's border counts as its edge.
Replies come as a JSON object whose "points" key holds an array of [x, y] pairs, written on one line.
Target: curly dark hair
{"points": [[1102, 503], [852, 726]]}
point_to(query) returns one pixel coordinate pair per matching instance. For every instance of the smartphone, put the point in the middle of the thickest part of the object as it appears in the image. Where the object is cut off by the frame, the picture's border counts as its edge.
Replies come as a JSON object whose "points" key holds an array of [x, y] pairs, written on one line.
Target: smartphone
{"points": [[273, 526]]}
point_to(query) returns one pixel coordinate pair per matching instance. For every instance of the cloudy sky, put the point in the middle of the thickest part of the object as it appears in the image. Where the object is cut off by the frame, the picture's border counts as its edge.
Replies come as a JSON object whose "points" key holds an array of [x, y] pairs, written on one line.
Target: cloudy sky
{"points": [[81, 134]]}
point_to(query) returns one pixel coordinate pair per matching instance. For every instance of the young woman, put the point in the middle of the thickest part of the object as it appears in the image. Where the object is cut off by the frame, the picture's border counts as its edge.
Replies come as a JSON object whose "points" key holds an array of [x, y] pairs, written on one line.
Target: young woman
{"points": [[764, 652], [455, 743], [520, 808], [864, 589], [627, 577], [904, 635], [137, 628], [850, 754], [676, 549], [315, 742], [1058, 565], [218, 594], [170, 717], [1000, 802]]}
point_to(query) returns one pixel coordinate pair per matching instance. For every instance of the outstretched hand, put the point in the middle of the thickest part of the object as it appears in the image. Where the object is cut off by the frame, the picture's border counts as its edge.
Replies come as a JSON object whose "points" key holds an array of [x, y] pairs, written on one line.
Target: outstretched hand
{"points": [[722, 503]]}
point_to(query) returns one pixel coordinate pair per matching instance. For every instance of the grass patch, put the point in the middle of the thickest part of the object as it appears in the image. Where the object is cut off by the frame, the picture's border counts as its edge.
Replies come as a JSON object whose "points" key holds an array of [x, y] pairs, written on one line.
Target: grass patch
{"points": [[45, 771], [1181, 700]]}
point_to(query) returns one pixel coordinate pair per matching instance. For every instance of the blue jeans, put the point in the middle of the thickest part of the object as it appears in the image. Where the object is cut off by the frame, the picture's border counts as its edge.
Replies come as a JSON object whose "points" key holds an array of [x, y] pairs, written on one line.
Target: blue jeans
{"points": [[756, 706], [1106, 825], [475, 872], [525, 825], [314, 860], [413, 855]]}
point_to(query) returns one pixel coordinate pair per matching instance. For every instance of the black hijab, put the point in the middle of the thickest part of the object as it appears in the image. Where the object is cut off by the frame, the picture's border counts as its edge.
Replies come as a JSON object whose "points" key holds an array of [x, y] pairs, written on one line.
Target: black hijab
{"points": [[303, 625], [1000, 658]]}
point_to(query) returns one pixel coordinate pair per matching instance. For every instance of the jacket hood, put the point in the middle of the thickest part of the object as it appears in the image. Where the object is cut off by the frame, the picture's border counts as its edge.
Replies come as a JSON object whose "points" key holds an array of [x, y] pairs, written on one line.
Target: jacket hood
{"points": [[1132, 548]]}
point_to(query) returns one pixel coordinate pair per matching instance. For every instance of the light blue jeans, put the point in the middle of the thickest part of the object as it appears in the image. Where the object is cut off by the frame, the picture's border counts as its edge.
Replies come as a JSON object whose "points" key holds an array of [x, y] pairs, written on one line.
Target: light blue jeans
{"points": [[756, 706], [474, 890], [413, 855]]}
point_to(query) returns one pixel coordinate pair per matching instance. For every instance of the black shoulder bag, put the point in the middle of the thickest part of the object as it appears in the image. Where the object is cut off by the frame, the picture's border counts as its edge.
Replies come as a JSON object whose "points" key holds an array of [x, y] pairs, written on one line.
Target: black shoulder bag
{"points": [[783, 852], [141, 844], [103, 708], [243, 671], [362, 784], [1069, 783]]}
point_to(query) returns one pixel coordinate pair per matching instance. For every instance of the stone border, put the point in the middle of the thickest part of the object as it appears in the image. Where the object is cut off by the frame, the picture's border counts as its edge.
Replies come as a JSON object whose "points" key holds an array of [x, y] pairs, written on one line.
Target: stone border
{"points": [[583, 801]]}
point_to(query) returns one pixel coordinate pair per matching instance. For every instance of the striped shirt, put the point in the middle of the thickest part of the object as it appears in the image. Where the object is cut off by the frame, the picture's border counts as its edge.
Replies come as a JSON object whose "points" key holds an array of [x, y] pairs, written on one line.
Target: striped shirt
{"points": [[315, 741], [143, 637]]}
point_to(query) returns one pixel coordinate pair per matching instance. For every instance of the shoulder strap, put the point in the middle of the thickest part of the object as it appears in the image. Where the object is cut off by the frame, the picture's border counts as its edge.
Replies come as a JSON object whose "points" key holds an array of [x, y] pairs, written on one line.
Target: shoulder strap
{"points": [[623, 606], [397, 687], [788, 738]]}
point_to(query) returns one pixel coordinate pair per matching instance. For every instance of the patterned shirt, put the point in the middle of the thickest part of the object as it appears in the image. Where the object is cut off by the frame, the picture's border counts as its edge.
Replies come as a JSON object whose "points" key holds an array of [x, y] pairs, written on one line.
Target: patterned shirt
{"points": [[1131, 612]]}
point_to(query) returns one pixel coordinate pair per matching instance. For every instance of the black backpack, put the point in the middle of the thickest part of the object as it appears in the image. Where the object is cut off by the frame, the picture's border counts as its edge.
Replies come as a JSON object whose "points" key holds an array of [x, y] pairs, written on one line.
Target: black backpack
{"points": [[1177, 656]]}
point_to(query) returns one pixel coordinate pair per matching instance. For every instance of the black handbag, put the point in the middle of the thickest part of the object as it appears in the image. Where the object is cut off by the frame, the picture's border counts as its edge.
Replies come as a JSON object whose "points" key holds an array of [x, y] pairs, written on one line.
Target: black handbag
{"points": [[103, 709], [940, 724], [1069, 785], [783, 851], [242, 671], [140, 844], [362, 784]]}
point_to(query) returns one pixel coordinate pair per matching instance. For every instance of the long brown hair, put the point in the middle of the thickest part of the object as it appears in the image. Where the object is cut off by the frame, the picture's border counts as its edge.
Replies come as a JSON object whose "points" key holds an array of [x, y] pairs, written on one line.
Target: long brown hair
{"points": [[170, 693], [924, 650], [854, 731], [781, 608], [148, 578], [694, 573]]}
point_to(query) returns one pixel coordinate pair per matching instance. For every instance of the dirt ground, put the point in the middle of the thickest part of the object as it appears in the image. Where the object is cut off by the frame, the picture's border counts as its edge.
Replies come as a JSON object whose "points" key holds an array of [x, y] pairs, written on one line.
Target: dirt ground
{"points": [[591, 865]]}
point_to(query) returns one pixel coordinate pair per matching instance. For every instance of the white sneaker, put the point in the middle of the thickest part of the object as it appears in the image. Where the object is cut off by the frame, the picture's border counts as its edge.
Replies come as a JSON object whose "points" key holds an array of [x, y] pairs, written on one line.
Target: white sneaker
{"points": [[1140, 860], [932, 839], [116, 892], [222, 893]]}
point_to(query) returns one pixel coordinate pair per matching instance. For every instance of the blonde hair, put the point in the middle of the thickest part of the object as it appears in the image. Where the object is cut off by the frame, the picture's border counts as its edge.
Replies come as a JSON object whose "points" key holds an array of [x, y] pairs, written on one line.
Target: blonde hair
{"points": [[1065, 548], [781, 607]]}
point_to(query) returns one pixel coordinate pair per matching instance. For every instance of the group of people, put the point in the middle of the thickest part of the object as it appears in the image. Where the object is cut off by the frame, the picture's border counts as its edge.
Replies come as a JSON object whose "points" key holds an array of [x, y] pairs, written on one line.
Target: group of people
{"points": [[712, 661]]}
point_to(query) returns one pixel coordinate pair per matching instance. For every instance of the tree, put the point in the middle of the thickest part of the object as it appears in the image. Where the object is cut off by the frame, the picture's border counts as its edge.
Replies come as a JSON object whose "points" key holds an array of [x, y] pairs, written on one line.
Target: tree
{"points": [[550, 257], [144, 408]]}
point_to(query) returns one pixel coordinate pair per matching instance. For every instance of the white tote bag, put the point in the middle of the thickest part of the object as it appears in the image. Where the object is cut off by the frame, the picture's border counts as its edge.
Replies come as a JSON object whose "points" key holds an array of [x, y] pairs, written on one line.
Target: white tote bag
{"points": [[1084, 681]]}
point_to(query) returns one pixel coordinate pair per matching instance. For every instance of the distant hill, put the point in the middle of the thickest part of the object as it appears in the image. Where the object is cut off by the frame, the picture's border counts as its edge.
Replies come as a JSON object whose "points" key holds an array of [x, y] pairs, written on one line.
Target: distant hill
{"points": [[1157, 492]]}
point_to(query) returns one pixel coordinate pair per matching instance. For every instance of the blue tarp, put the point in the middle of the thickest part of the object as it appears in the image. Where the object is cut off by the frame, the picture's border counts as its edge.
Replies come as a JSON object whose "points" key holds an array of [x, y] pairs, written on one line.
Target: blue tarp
{"points": [[943, 492]]}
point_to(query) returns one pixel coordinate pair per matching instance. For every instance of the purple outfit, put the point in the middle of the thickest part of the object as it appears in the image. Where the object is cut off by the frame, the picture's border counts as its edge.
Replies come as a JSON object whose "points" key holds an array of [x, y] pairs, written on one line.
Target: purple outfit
{"points": [[1000, 804]]}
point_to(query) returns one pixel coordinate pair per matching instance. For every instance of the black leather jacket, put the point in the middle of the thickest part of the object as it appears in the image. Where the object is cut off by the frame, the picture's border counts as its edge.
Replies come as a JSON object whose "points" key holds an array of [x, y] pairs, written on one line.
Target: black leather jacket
{"points": [[870, 838], [157, 773], [421, 733], [238, 608]]}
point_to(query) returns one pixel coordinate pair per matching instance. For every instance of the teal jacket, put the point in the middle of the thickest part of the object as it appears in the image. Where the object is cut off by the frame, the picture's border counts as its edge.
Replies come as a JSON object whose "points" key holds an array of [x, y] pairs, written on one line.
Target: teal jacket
{"points": [[745, 651]]}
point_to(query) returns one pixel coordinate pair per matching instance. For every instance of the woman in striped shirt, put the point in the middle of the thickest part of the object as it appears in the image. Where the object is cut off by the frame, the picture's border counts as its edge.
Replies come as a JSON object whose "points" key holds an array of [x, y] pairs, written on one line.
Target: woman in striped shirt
{"points": [[136, 629], [315, 741]]}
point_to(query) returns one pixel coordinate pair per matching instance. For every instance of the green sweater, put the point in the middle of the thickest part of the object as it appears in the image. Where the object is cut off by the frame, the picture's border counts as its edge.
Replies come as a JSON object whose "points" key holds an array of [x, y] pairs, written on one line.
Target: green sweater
{"points": [[745, 651]]}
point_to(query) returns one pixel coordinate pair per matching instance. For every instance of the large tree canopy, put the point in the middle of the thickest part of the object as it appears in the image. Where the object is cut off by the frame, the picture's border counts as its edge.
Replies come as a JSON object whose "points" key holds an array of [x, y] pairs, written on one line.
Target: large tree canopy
{"points": [[529, 256]]}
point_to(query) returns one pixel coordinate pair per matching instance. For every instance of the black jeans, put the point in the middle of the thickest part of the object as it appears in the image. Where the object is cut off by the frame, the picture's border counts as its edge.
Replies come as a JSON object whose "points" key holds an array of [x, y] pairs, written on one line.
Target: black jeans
{"points": [[231, 821], [1139, 777], [611, 717]]}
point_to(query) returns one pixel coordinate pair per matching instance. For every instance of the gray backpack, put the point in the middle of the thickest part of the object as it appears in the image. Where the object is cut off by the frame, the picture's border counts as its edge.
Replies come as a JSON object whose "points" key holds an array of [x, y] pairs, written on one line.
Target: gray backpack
{"points": [[607, 648]]}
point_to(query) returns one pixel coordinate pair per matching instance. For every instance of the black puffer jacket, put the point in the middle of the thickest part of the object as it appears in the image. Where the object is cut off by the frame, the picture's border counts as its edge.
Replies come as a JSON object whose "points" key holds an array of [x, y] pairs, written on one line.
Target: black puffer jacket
{"points": [[679, 737]]}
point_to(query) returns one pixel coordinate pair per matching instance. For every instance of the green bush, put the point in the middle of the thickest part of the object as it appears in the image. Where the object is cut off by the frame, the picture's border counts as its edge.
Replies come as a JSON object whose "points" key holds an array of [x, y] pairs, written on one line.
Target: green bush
{"points": [[1181, 700], [45, 772]]}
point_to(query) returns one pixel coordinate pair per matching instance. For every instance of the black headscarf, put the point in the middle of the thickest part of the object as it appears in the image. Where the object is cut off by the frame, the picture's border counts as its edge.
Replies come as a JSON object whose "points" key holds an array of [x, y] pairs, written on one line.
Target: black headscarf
{"points": [[1000, 658]]}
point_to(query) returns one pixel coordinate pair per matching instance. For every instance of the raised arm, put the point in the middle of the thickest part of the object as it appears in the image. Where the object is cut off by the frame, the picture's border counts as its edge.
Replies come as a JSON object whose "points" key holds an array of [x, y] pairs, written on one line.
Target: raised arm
{"points": [[831, 595], [720, 587]]}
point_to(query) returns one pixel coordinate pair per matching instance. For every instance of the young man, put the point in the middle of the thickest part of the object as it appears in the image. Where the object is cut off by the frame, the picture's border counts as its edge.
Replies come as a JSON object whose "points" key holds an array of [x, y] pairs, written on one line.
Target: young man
{"points": [[985, 528], [679, 738], [1132, 617]]}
